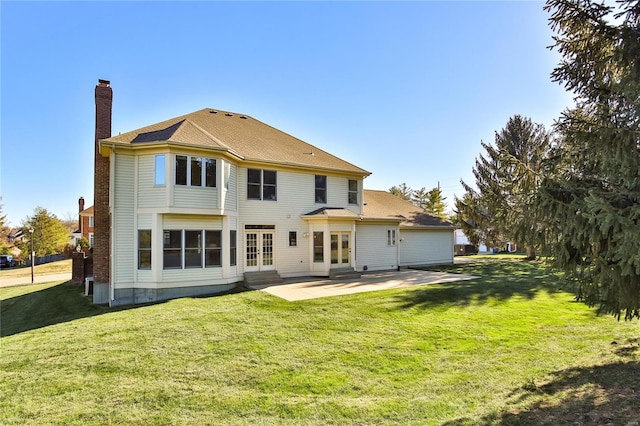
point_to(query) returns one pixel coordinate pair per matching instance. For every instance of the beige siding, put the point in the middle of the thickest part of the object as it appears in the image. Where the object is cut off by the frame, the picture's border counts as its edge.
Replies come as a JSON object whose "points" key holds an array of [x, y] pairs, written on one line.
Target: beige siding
{"points": [[372, 248], [195, 197], [149, 195], [296, 197], [231, 176], [123, 218], [425, 247], [144, 221]]}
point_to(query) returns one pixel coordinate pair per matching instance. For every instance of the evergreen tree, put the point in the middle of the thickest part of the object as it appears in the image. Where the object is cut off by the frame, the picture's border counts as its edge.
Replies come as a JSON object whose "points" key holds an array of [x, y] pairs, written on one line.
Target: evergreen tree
{"points": [[435, 203], [474, 221], [507, 180], [50, 236], [403, 191], [591, 194], [420, 197]]}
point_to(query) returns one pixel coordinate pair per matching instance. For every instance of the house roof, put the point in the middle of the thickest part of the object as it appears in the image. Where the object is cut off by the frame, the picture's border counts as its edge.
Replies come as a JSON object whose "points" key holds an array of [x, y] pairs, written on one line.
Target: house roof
{"points": [[87, 212], [332, 212], [239, 135], [385, 204]]}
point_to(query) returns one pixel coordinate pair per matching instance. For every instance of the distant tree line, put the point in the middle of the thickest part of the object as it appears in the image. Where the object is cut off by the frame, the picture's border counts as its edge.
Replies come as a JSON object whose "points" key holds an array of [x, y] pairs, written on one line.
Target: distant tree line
{"points": [[50, 235]]}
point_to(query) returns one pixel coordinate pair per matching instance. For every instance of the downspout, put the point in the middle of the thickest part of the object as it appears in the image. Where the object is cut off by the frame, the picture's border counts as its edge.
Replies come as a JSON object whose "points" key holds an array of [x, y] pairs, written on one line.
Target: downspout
{"points": [[112, 220], [398, 241]]}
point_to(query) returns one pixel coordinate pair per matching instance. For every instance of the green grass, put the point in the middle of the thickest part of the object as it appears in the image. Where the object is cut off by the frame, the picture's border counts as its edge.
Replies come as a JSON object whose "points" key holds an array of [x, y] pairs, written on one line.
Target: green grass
{"points": [[509, 348], [59, 267]]}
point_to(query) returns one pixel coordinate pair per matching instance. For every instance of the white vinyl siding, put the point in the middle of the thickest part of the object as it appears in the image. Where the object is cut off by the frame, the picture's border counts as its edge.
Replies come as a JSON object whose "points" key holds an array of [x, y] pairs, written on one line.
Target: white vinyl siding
{"points": [[124, 234], [425, 247], [372, 249]]}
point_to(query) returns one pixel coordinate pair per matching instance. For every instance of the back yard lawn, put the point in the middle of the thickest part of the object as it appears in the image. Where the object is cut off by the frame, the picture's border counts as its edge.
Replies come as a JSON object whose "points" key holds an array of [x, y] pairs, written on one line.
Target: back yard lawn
{"points": [[509, 348]]}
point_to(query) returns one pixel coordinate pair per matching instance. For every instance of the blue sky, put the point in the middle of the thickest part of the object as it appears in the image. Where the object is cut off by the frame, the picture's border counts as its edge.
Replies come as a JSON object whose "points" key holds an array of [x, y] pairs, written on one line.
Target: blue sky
{"points": [[406, 90]]}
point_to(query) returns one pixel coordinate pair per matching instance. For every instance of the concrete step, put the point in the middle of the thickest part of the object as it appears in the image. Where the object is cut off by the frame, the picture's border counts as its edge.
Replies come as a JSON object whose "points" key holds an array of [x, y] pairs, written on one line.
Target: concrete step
{"points": [[344, 274], [262, 277]]}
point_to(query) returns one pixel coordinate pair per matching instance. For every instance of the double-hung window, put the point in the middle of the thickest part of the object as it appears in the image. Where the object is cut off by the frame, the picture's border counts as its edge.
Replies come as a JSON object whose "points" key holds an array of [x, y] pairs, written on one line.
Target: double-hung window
{"points": [[144, 249], [172, 249], [193, 249], [353, 191], [213, 248], [195, 171], [318, 247], [261, 184], [233, 244], [321, 189], [391, 237]]}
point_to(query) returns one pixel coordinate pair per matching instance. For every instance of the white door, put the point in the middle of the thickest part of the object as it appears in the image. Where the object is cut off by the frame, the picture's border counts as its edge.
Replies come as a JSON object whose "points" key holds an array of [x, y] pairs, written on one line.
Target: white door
{"points": [[340, 249], [259, 251]]}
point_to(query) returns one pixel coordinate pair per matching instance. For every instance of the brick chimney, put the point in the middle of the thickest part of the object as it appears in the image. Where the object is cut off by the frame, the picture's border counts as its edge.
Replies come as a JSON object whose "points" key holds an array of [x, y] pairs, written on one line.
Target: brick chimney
{"points": [[80, 208], [101, 216]]}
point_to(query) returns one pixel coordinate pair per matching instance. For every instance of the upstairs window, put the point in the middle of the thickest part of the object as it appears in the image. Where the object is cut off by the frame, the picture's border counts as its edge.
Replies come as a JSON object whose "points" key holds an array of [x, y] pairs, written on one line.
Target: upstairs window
{"points": [[195, 171], [159, 178], [261, 184], [321, 189], [353, 191]]}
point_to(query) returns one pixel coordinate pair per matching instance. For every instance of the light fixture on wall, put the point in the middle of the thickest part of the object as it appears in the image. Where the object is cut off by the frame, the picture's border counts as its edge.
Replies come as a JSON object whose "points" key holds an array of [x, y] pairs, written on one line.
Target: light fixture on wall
{"points": [[305, 235]]}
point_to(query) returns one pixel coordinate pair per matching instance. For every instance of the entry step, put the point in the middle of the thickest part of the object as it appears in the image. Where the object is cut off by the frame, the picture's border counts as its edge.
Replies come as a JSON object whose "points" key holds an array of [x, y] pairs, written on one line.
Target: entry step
{"points": [[344, 274], [262, 277]]}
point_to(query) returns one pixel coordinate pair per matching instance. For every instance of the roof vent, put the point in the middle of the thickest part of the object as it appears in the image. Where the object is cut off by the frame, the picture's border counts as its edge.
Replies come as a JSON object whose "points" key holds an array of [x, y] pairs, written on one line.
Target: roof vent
{"points": [[244, 117], [229, 114], [213, 111]]}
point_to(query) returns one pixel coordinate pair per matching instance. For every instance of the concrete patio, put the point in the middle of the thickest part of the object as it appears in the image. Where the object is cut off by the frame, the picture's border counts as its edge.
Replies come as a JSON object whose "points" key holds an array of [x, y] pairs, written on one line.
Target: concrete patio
{"points": [[312, 288]]}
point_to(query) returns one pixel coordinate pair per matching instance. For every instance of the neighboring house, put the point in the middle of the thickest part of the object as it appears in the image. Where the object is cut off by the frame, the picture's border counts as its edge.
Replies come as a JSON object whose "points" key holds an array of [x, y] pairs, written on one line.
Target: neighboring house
{"points": [[85, 223], [195, 204]]}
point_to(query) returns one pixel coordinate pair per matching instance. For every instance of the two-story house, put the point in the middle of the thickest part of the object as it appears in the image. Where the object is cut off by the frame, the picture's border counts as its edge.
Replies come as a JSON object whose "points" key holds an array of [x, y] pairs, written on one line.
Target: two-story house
{"points": [[195, 203]]}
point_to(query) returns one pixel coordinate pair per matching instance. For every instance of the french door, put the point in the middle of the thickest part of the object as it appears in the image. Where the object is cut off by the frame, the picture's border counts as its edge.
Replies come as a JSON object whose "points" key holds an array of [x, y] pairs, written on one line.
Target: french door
{"points": [[340, 249], [259, 250]]}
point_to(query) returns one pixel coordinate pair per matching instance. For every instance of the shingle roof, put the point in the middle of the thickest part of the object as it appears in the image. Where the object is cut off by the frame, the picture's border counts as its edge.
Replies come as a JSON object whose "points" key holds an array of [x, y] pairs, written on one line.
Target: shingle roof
{"points": [[87, 211], [385, 204], [332, 212], [240, 135]]}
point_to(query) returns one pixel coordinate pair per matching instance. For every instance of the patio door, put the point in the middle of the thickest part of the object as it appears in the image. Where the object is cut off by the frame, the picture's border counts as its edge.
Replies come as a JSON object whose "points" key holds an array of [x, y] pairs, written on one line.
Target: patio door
{"points": [[259, 250], [340, 249]]}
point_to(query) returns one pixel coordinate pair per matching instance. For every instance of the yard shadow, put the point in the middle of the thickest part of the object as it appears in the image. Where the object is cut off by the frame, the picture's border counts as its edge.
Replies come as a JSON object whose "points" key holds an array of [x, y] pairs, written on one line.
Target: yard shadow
{"points": [[54, 305], [498, 281], [606, 394]]}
